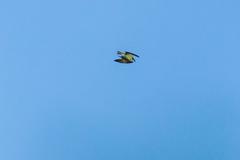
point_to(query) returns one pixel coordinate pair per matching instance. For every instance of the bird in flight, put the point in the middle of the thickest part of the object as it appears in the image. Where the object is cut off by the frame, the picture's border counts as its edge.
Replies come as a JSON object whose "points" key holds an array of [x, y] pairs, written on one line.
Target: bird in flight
{"points": [[126, 57]]}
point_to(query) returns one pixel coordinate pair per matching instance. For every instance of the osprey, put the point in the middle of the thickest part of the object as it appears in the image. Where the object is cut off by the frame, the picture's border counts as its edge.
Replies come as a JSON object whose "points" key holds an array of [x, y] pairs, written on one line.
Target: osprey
{"points": [[126, 57]]}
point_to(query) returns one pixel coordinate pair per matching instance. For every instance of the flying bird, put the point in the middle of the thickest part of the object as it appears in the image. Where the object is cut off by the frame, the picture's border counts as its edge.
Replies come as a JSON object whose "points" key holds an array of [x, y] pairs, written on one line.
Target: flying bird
{"points": [[126, 57]]}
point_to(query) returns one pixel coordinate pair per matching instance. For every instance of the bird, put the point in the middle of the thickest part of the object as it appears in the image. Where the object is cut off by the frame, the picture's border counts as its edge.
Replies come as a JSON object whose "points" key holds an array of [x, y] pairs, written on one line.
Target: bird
{"points": [[126, 57]]}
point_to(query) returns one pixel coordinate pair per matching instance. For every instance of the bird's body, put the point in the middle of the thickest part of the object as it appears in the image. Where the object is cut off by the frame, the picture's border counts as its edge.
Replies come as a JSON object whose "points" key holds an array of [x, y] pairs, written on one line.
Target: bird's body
{"points": [[126, 57]]}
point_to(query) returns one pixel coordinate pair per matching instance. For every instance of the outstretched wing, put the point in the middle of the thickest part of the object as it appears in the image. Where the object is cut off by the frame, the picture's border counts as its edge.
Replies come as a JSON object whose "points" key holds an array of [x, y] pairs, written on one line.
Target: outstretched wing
{"points": [[132, 54], [123, 60]]}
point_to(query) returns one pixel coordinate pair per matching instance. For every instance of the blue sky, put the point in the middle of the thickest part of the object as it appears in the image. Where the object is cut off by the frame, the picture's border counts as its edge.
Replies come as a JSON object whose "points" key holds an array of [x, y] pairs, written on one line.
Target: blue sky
{"points": [[63, 97]]}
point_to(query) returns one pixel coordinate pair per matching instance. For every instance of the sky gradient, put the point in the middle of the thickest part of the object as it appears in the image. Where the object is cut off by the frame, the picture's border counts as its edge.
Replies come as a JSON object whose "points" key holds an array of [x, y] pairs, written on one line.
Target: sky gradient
{"points": [[63, 97]]}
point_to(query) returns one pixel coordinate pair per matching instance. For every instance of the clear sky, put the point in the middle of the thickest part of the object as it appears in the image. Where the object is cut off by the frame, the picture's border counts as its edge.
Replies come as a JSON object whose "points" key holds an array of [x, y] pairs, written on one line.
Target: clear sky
{"points": [[62, 97]]}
